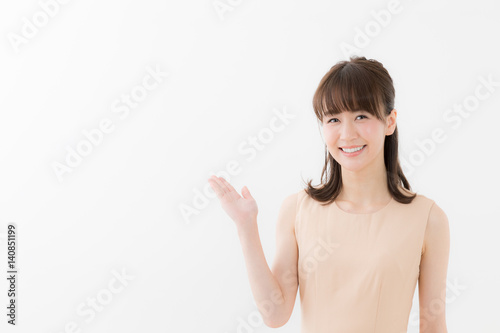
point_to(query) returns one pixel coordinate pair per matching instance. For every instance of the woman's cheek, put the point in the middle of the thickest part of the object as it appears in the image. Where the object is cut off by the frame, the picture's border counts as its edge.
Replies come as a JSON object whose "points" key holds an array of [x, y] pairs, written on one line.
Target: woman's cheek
{"points": [[329, 135], [370, 131]]}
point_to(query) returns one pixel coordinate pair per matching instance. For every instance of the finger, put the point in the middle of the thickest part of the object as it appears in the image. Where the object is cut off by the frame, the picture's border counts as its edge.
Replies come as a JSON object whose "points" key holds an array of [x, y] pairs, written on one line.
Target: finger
{"points": [[223, 187], [216, 186], [246, 192], [224, 190], [230, 189]]}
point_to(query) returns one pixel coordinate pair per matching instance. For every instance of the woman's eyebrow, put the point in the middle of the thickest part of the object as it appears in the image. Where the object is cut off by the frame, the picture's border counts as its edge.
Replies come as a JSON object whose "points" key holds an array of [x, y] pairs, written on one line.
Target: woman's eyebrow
{"points": [[334, 115]]}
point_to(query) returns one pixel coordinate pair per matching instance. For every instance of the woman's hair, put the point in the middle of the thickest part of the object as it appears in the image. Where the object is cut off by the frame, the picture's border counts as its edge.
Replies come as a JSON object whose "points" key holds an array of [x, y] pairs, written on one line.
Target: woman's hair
{"points": [[358, 84]]}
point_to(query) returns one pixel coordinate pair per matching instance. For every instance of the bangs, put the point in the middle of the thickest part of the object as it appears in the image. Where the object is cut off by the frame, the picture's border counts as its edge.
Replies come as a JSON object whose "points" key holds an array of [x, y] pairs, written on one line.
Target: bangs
{"points": [[347, 89]]}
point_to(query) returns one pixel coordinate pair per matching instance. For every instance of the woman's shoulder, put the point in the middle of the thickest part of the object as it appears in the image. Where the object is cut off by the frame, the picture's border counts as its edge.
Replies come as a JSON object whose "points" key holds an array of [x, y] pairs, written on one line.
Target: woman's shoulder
{"points": [[297, 195], [296, 198], [421, 200]]}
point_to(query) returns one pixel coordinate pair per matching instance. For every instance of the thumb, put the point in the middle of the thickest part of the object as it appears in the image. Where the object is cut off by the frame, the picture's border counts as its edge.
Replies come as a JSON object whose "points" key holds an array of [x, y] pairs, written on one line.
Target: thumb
{"points": [[246, 193]]}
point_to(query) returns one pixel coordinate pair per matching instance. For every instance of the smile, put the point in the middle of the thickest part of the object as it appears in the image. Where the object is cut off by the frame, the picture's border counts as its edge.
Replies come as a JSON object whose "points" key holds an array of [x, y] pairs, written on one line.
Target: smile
{"points": [[352, 151]]}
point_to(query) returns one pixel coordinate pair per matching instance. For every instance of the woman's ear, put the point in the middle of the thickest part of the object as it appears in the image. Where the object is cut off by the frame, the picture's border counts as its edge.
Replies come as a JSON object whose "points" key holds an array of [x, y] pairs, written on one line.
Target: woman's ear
{"points": [[391, 122]]}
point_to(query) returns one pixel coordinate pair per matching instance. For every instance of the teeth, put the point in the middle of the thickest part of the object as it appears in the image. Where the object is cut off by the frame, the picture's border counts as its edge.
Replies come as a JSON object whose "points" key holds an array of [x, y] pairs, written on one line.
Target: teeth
{"points": [[352, 150]]}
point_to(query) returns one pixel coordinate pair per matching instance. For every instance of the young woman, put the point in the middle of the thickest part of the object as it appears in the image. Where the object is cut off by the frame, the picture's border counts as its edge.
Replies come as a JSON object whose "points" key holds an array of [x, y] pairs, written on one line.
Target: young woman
{"points": [[357, 244]]}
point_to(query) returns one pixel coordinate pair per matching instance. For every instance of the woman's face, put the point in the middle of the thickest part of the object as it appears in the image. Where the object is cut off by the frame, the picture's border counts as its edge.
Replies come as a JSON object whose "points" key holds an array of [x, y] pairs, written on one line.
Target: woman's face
{"points": [[357, 129]]}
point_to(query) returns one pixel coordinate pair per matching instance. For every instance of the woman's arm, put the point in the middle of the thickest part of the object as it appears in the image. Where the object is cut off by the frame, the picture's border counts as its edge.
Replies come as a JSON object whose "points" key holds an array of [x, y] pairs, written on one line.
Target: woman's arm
{"points": [[433, 271], [275, 289]]}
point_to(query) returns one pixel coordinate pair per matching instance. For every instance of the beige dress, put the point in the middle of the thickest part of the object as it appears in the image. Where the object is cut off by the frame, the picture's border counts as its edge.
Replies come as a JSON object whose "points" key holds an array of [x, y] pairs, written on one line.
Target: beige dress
{"points": [[358, 272]]}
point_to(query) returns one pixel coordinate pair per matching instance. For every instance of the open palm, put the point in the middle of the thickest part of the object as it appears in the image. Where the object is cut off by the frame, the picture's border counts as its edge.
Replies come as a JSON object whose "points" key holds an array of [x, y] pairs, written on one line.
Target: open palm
{"points": [[241, 209]]}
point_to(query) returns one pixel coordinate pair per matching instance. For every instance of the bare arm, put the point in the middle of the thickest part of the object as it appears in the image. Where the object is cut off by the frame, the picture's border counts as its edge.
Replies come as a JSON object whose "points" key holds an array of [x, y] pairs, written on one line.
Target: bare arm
{"points": [[433, 271], [274, 290]]}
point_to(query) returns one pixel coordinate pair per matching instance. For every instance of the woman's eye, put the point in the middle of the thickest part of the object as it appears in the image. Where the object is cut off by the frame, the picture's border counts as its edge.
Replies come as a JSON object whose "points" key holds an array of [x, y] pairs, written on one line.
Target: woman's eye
{"points": [[361, 115]]}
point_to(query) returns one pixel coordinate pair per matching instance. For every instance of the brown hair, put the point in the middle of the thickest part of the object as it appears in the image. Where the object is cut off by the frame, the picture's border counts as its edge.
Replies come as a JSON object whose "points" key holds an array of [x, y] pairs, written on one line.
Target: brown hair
{"points": [[358, 84]]}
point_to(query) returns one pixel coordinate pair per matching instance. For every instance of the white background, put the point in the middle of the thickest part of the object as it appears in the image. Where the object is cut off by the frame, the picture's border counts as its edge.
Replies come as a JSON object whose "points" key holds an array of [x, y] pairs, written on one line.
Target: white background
{"points": [[228, 73]]}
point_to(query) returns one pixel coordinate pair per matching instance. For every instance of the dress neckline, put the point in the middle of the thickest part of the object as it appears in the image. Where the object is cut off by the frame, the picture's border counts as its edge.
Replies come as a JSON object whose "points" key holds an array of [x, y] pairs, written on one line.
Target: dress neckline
{"points": [[364, 214]]}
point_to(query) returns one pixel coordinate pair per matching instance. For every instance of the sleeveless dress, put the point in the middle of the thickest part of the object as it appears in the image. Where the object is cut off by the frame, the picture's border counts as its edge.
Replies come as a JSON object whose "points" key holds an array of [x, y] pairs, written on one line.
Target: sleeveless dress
{"points": [[358, 271]]}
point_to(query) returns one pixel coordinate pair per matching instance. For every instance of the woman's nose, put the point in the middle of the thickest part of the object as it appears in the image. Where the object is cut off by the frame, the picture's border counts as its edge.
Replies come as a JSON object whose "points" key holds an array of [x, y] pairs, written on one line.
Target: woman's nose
{"points": [[347, 132]]}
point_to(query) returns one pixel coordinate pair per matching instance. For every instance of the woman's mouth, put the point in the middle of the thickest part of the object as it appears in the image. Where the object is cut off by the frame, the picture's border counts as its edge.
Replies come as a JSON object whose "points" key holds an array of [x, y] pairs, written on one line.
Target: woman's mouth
{"points": [[353, 151]]}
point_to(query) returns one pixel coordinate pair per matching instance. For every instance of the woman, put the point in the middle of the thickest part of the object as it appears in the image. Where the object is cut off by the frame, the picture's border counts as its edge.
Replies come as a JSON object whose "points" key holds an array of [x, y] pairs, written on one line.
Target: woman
{"points": [[357, 244]]}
